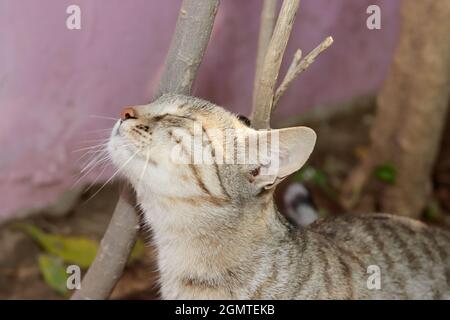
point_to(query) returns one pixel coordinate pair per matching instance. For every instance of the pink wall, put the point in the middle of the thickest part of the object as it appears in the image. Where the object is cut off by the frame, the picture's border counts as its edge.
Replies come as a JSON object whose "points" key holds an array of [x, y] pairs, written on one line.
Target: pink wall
{"points": [[53, 79]]}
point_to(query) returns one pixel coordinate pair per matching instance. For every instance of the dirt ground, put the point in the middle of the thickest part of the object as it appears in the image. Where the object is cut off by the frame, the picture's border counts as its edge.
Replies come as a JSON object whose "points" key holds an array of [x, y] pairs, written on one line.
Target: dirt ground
{"points": [[20, 277], [343, 136]]}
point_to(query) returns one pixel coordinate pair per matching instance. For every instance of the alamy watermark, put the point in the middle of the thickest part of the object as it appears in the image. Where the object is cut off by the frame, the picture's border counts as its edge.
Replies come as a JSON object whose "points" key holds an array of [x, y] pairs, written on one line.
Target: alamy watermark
{"points": [[374, 279], [373, 22], [73, 281], [229, 146], [73, 21]]}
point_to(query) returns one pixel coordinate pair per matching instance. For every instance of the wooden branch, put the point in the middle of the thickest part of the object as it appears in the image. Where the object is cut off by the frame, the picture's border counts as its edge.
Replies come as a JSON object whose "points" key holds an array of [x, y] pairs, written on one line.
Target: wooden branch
{"points": [[298, 67], [267, 23], [295, 61], [117, 243], [188, 45], [265, 88], [192, 33]]}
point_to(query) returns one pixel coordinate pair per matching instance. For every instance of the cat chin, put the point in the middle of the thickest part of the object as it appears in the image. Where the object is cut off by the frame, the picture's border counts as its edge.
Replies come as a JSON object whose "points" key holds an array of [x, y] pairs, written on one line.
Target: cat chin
{"points": [[118, 153], [119, 157]]}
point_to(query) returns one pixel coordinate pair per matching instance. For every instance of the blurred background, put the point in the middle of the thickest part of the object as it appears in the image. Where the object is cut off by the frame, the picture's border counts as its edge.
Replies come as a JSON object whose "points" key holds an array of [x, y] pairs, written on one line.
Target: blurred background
{"points": [[378, 99]]}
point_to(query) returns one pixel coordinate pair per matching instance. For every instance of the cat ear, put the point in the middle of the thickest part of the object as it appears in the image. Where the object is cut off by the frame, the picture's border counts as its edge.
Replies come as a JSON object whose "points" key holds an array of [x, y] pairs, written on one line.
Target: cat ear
{"points": [[288, 150]]}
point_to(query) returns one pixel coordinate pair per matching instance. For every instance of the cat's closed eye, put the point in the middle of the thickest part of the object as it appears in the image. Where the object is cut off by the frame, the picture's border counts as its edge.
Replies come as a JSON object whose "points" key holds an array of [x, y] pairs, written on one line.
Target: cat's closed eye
{"points": [[255, 171], [244, 120]]}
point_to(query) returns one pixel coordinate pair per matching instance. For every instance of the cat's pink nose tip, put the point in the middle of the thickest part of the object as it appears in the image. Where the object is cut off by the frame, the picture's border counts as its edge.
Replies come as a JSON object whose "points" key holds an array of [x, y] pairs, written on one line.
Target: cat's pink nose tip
{"points": [[128, 113]]}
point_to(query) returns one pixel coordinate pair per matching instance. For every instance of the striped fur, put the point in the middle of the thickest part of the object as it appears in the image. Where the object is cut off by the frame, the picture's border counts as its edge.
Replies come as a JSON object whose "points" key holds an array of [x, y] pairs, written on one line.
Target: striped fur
{"points": [[220, 237]]}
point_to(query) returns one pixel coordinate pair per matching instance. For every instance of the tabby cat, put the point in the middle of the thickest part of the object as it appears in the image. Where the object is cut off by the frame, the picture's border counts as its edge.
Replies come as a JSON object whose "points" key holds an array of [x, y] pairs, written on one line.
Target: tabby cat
{"points": [[219, 235]]}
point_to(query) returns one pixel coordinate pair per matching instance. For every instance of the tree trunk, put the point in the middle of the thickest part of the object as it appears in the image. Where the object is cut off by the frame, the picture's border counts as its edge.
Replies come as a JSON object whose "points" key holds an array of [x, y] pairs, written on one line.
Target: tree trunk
{"points": [[412, 107]]}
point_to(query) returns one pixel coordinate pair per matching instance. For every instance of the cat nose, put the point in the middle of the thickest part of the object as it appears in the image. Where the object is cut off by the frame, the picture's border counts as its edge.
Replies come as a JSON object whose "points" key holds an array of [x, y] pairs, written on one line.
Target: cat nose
{"points": [[128, 113]]}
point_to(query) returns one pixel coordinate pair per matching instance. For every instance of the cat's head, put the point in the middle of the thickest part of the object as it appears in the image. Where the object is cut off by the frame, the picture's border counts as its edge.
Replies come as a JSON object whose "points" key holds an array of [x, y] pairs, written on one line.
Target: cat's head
{"points": [[181, 147]]}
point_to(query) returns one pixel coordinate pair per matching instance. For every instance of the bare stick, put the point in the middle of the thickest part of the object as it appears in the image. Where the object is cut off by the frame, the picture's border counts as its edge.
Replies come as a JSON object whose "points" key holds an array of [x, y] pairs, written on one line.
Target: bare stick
{"points": [[113, 253], [267, 23], [294, 63], [188, 45], [298, 67], [265, 88], [192, 32]]}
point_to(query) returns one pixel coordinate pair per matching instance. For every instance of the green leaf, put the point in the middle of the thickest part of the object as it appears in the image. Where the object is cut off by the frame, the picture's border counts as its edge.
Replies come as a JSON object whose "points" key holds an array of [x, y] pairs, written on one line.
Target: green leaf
{"points": [[386, 173], [73, 250], [54, 273], [433, 211]]}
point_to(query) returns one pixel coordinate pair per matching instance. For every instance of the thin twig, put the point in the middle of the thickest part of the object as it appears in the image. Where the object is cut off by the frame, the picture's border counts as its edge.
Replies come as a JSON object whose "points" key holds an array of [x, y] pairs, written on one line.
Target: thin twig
{"points": [[190, 39], [298, 67], [294, 63], [267, 22], [265, 88]]}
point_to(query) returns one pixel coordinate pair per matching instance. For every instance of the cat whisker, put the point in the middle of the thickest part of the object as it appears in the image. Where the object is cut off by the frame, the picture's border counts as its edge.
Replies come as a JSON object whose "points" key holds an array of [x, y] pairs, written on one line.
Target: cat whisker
{"points": [[102, 117], [99, 130], [115, 174], [97, 149], [103, 140], [91, 147], [105, 165], [147, 159], [97, 157], [92, 167], [91, 153], [96, 161]]}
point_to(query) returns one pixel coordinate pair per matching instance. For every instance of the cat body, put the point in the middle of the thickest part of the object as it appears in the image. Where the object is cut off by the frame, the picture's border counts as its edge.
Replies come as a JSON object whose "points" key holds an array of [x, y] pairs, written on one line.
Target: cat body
{"points": [[219, 235]]}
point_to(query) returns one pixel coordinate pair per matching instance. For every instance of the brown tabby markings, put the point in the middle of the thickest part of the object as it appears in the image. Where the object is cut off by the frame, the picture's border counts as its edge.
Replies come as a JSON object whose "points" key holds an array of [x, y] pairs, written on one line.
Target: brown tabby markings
{"points": [[328, 279], [412, 259], [348, 278], [219, 240], [216, 166], [390, 264], [413, 233], [200, 282], [199, 181], [307, 277], [373, 232], [138, 132], [441, 251], [271, 279]]}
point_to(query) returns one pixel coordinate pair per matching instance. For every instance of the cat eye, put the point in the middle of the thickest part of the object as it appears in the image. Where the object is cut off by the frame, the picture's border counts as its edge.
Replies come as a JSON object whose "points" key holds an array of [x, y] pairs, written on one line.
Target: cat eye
{"points": [[244, 120], [255, 171]]}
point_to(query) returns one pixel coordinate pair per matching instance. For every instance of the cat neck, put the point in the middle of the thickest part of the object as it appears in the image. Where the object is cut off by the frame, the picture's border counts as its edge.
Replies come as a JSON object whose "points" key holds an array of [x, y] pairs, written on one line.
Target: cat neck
{"points": [[203, 242], [174, 221]]}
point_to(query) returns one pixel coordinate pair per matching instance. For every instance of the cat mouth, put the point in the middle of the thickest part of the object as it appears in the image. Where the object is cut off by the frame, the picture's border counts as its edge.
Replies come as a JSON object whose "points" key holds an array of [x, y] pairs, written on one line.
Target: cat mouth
{"points": [[118, 141], [122, 142]]}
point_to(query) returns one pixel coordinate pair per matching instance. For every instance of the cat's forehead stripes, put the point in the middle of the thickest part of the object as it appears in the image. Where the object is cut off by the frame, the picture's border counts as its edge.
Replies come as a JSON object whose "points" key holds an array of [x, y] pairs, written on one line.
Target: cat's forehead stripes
{"points": [[195, 109]]}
